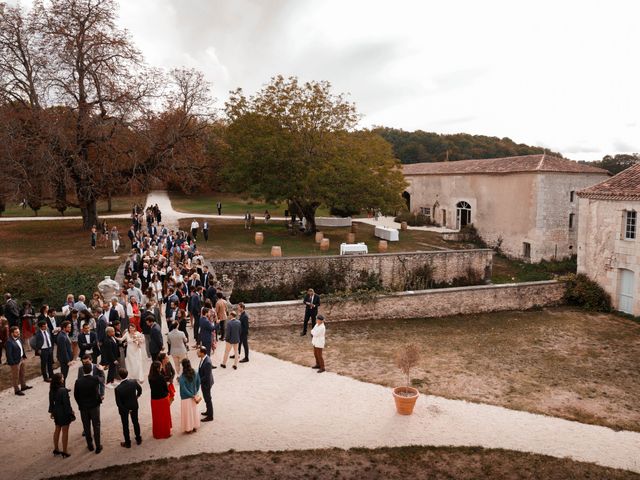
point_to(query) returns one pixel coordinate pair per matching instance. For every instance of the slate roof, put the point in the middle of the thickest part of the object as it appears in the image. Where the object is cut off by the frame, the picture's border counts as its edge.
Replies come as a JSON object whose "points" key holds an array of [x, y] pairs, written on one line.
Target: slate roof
{"points": [[623, 186], [520, 164]]}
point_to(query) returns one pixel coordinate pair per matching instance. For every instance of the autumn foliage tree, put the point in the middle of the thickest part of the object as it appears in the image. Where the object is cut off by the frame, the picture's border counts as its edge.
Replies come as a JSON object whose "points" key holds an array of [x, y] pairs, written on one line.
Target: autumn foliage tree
{"points": [[295, 142]]}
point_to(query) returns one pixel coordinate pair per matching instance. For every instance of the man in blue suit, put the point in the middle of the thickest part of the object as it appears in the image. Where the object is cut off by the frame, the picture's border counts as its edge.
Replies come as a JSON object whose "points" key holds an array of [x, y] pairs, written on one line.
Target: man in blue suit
{"points": [[206, 382], [15, 358], [65, 352], [207, 330]]}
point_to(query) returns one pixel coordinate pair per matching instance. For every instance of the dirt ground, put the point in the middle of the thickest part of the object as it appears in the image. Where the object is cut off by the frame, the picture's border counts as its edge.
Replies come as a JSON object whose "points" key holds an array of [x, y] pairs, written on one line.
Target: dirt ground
{"points": [[385, 463], [32, 371], [560, 362]]}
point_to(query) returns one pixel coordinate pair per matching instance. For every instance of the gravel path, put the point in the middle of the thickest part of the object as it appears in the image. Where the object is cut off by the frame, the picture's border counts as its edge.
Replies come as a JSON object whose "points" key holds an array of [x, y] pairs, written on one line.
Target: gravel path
{"points": [[270, 404]]}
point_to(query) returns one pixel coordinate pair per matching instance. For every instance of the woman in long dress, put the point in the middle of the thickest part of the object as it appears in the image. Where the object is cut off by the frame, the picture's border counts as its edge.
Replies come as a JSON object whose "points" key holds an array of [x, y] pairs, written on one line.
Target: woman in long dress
{"points": [[133, 312], [160, 404], [189, 398], [135, 353]]}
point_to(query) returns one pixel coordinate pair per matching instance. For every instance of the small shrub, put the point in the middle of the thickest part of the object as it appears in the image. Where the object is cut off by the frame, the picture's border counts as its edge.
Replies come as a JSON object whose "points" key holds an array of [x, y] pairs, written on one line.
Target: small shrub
{"points": [[585, 293], [406, 359], [414, 219]]}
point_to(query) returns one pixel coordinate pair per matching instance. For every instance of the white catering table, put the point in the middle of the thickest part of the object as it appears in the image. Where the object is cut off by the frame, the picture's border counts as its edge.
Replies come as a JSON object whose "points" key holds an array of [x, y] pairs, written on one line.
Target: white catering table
{"points": [[333, 222], [353, 248], [386, 233]]}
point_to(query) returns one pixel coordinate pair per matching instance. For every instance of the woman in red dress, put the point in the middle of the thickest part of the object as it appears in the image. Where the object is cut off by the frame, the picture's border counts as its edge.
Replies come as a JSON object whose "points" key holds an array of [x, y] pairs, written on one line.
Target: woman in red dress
{"points": [[160, 403], [28, 318], [169, 373], [133, 312]]}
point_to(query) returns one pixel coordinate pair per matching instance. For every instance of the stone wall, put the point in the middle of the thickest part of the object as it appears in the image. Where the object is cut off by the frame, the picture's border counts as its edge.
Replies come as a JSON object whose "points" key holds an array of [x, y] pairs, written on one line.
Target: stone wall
{"points": [[419, 304], [392, 268]]}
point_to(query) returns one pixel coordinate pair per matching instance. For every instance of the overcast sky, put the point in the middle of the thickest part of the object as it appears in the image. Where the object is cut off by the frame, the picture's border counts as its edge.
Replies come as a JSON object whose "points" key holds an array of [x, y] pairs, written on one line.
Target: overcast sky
{"points": [[559, 74]]}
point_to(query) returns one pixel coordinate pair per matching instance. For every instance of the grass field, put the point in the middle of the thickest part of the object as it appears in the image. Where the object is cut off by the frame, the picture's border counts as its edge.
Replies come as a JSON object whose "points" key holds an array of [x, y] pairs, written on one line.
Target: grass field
{"points": [[435, 463], [561, 362], [231, 205], [120, 204]]}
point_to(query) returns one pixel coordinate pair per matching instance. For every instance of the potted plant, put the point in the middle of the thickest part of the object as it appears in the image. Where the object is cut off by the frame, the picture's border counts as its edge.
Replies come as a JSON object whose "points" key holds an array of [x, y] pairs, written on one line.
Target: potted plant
{"points": [[405, 397]]}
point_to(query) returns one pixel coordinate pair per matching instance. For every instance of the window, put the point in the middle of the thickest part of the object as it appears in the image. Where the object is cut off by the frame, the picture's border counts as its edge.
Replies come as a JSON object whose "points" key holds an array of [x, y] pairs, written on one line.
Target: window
{"points": [[463, 214], [571, 220], [630, 225], [426, 211], [572, 196], [526, 249]]}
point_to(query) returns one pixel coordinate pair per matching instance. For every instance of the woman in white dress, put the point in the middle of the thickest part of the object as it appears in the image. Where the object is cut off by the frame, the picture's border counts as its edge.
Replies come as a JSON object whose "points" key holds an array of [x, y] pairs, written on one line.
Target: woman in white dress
{"points": [[134, 360]]}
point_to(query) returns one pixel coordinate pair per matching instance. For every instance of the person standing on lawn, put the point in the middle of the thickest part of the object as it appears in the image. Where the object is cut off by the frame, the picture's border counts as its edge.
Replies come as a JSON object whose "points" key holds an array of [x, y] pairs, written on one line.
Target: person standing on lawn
{"points": [[15, 358], [205, 230], [311, 302], [195, 226], [317, 340], [219, 207]]}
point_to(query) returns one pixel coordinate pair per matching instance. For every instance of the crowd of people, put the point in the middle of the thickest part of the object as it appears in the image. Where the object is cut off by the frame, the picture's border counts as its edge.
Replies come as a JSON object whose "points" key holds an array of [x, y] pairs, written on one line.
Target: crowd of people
{"points": [[169, 303]]}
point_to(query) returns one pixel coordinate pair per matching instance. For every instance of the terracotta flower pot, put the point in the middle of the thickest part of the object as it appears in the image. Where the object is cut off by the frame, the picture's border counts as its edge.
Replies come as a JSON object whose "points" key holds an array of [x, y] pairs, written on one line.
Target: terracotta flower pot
{"points": [[403, 225], [319, 237], [324, 244], [276, 251], [405, 398], [354, 228], [351, 237], [259, 238], [382, 246]]}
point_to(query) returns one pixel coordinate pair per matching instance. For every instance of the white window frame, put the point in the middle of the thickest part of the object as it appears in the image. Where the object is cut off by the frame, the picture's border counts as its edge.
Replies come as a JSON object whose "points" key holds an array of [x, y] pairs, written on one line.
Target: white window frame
{"points": [[426, 211], [630, 224]]}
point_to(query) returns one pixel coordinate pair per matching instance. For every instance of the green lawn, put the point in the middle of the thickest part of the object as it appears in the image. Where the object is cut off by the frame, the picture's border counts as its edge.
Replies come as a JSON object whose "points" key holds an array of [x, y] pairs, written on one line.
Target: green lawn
{"points": [[231, 205], [121, 204]]}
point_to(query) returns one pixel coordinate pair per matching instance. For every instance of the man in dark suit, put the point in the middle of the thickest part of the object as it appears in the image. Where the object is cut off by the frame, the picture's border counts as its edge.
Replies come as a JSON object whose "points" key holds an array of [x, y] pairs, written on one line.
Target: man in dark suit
{"points": [[96, 371], [205, 276], [311, 302], [110, 355], [155, 338], [195, 305], [127, 394], [87, 394], [244, 332], [65, 352], [11, 310], [44, 348], [88, 343], [101, 326], [207, 330], [206, 382], [211, 291], [15, 358]]}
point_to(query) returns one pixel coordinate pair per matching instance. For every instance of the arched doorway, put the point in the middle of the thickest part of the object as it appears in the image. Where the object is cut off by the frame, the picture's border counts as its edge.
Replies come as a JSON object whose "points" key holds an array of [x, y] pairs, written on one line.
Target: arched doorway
{"points": [[407, 198], [625, 291], [463, 214]]}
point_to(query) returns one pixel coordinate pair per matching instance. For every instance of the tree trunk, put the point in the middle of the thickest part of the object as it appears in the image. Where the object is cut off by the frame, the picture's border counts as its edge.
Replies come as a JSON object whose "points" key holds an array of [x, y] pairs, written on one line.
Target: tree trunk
{"points": [[309, 212], [109, 202], [89, 209]]}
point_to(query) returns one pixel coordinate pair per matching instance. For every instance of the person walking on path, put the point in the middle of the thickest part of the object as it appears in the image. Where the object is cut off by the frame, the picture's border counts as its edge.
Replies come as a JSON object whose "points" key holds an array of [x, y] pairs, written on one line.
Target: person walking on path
{"points": [[195, 226], [189, 398], [219, 207], [156, 342], [127, 394], [87, 394], [65, 351], [233, 339], [178, 345], [134, 358], [160, 404], [311, 302], [244, 333], [317, 340], [205, 370], [44, 348], [61, 412], [205, 230], [115, 239], [15, 358]]}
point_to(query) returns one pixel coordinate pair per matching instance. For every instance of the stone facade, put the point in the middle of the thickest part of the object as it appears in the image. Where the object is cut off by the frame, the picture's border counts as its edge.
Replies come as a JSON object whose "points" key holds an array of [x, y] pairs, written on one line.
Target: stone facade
{"points": [[392, 268], [419, 304], [532, 215]]}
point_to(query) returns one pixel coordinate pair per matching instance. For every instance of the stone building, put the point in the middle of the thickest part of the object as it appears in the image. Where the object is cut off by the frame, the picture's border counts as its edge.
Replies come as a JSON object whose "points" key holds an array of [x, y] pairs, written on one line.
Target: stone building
{"points": [[608, 245], [526, 205]]}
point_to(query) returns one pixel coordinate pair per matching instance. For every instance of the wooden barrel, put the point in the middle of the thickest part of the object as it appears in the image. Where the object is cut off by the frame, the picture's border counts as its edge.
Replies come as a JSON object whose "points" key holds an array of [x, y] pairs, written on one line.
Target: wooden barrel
{"points": [[276, 251], [403, 226], [382, 246], [324, 244], [354, 228], [319, 237], [351, 237], [259, 238]]}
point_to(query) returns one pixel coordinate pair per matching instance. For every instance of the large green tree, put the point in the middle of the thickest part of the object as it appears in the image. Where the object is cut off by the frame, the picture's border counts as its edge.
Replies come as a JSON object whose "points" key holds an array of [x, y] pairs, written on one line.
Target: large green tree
{"points": [[296, 142]]}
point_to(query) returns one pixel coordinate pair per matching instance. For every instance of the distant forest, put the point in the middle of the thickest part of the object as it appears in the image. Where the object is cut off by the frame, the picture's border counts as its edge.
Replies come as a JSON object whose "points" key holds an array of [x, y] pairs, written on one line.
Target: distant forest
{"points": [[419, 146]]}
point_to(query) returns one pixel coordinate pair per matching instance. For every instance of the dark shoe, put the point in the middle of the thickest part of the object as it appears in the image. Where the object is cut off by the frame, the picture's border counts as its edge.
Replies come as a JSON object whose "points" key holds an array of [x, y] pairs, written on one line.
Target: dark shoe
{"points": [[316, 366], [303, 334], [208, 419], [138, 441], [57, 452], [65, 454], [235, 368], [125, 444], [223, 365], [213, 366], [321, 370], [90, 447], [232, 356], [26, 387], [98, 449], [20, 393], [244, 360]]}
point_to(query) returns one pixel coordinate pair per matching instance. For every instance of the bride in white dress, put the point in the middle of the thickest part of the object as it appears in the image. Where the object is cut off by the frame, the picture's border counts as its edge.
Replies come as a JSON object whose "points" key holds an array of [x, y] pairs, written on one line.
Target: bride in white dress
{"points": [[135, 353]]}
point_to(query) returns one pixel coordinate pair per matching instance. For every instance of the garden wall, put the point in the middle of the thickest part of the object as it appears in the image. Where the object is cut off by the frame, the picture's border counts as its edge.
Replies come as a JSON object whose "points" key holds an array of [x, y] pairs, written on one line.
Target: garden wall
{"points": [[426, 303], [394, 271]]}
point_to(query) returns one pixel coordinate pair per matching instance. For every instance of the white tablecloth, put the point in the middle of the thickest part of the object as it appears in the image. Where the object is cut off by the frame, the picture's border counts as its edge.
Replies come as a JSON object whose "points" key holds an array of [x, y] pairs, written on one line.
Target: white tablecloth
{"points": [[386, 233], [353, 249]]}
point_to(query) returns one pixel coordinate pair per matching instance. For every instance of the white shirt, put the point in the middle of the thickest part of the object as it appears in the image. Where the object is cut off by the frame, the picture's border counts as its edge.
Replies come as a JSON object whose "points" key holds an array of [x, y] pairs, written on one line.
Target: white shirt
{"points": [[47, 339], [20, 345], [317, 336], [194, 224]]}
